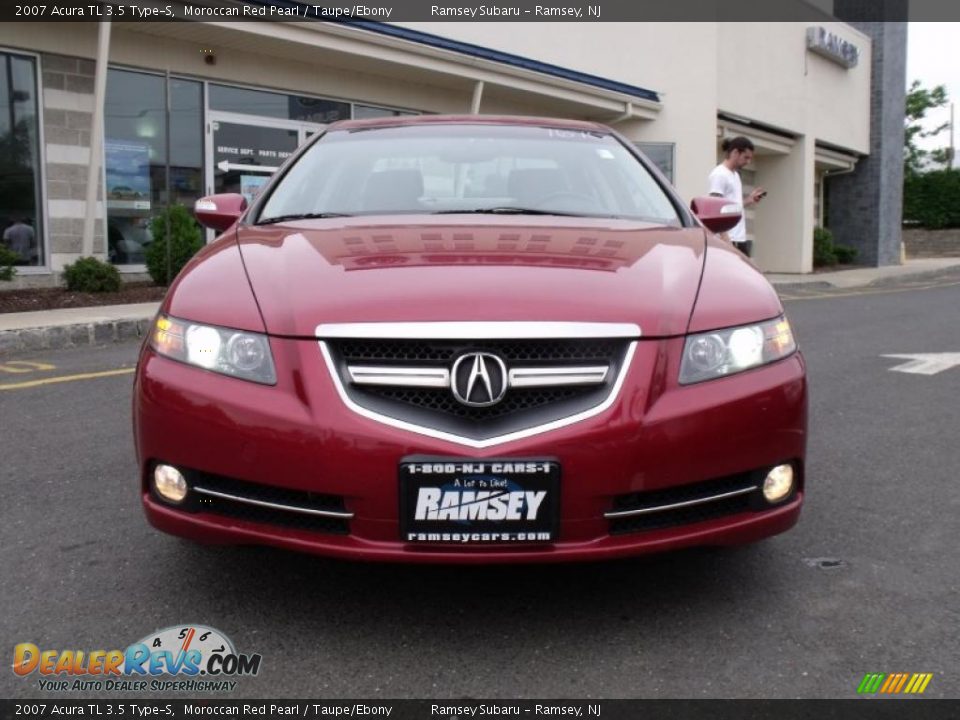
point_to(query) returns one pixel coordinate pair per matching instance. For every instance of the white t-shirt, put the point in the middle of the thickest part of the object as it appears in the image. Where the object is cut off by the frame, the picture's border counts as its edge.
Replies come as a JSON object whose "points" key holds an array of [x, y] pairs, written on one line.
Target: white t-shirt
{"points": [[726, 183]]}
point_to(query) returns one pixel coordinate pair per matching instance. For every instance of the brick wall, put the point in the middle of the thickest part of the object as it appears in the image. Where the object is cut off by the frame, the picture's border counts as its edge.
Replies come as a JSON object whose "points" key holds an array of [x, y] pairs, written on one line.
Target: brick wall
{"points": [[866, 206], [67, 117], [931, 243]]}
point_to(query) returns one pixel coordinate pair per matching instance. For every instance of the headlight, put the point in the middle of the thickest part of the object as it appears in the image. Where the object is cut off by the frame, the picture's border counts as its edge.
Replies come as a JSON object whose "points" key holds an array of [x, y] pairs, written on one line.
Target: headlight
{"points": [[244, 355], [725, 352]]}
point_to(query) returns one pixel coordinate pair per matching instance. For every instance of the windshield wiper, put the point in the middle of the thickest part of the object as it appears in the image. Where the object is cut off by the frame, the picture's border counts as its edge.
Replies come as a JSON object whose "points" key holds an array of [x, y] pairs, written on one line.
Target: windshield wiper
{"points": [[300, 216], [507, 210]]}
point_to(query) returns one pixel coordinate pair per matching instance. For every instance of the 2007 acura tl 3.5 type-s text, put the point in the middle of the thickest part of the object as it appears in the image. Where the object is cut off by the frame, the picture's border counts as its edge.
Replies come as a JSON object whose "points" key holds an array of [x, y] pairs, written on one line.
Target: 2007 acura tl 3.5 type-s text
{"points": [[470, 339]]}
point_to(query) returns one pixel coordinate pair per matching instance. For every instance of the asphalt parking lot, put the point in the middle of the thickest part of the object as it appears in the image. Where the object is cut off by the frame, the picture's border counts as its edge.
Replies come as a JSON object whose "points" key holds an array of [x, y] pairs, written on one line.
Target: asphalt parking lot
{"points": [[867, 582]]}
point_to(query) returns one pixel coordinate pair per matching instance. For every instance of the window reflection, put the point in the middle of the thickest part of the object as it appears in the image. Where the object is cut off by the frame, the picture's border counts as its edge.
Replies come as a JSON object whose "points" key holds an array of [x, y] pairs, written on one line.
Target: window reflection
{"points": [[364, 112], [136, 156], [277, 105]]}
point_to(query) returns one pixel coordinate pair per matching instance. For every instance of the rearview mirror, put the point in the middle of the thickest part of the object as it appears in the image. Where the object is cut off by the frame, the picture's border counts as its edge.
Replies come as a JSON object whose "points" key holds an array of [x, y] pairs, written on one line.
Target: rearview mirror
{"points": [[716, 213], [219, 212]]}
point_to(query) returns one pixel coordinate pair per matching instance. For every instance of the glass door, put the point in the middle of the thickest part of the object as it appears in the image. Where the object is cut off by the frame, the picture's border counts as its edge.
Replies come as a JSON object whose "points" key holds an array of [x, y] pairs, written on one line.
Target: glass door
{"points": [[243, 151]]}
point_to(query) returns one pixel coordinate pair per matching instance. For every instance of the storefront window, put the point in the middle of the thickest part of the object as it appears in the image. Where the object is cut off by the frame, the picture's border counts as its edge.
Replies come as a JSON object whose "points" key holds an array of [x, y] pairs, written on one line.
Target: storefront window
{"points": [[136, 156], [661, 155], [20, 217], [277, 105], [363, 112]]}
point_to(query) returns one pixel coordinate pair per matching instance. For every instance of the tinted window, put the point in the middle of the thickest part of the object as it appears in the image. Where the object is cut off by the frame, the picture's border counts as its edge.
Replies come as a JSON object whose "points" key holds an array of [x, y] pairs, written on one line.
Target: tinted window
{"points": [[20, 219], [465, 168], [136, 157], [365, 112], [277, 105]]}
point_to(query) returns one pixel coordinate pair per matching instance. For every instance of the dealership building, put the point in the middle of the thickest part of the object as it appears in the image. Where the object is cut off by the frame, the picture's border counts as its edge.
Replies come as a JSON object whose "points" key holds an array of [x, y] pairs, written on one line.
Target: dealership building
{"points": [[170, 112]]}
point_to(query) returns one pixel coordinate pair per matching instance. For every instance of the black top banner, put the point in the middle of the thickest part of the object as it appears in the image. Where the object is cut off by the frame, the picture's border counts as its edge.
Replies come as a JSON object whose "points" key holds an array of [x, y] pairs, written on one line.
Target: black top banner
{"points": [[479, 11], [464, 709]]}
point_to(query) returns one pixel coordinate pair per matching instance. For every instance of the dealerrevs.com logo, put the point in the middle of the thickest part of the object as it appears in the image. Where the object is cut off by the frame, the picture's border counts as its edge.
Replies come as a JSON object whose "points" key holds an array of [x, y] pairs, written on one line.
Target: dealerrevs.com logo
{"points": [[185, 658]]}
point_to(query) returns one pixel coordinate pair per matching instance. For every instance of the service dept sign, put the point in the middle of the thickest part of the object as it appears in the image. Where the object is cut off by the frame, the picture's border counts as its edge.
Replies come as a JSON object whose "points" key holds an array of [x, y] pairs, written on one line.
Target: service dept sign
{"points": [[832, 46]]}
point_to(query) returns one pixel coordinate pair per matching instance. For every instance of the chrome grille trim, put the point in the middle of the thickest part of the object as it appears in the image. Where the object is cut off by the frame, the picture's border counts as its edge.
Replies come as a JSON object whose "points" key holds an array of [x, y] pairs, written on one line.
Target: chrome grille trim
{"points": [[674, 506], [398, 375], [548, 377], [440, 377], [508, 330], [274, 506], [471, 442]]}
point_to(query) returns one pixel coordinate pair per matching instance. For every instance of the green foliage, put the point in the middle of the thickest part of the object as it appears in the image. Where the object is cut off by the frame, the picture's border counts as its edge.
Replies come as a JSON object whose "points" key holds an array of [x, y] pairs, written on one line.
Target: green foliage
{"points": [[7, 259], [91, 275], [826, 253], [933, 198], [185, 240], [845, 254], [823, 254], [919, 102]]}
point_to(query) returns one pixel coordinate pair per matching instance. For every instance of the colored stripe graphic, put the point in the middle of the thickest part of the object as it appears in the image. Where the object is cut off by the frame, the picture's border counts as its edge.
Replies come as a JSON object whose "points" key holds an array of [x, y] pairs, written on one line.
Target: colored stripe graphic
{"points": [[871, 682], [890, 682], [894, 683]]}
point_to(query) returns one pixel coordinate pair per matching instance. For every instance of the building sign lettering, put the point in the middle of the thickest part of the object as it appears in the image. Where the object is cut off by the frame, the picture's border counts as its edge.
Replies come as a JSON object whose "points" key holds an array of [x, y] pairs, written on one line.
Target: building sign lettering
{"points": [[833, 47]]}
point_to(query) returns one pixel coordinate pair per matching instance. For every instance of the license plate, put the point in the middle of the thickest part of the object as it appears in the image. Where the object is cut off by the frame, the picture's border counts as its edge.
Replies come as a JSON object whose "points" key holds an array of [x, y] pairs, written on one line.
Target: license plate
{"points": [[474, 502]]}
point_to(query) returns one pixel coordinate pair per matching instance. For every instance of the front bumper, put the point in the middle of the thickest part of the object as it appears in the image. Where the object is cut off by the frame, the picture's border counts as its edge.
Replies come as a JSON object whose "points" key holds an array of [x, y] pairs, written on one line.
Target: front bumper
{"points": [[300, 436]]}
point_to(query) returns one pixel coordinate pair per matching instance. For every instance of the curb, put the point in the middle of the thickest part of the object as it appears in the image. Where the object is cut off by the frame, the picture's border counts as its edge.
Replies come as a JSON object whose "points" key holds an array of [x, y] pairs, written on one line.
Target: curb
{"points": [[57, 337], [818, 285], [878, 282], [919, 276]]}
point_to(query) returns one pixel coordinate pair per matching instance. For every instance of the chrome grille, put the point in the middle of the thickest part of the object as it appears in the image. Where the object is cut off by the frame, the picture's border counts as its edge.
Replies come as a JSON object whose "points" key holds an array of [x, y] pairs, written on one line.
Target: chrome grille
{"points": [[442, 401], [445, 351], [409, 379]]}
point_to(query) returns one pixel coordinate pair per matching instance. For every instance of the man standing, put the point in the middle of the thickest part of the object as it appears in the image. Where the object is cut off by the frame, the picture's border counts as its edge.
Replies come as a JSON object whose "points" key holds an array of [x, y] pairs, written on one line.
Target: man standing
{"points": [[19, 238], [725, 182]]}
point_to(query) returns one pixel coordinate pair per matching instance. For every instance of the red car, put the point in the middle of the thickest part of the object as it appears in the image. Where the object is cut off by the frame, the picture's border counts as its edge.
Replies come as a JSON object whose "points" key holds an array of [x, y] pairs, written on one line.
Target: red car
{"points": [[470, 339]]}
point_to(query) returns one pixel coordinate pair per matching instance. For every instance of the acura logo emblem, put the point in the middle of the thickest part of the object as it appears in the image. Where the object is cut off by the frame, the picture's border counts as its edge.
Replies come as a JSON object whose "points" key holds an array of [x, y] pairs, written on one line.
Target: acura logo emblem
{"points": [[478, 379]]}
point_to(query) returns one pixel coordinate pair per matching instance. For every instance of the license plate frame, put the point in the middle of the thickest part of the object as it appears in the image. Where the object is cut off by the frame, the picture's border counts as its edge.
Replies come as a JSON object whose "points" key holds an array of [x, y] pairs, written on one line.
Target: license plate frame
{"points": [[479, 501]]}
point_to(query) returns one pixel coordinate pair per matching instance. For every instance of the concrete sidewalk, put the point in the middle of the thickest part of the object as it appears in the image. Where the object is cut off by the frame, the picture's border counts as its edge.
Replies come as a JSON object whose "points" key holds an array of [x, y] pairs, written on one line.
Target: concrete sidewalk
{"points": [[917, 269], [54, 329]]}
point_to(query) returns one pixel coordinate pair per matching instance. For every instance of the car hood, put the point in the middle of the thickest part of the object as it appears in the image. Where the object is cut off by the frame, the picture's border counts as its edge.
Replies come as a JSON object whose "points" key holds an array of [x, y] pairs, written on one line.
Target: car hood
{"points": [[431, 269]]}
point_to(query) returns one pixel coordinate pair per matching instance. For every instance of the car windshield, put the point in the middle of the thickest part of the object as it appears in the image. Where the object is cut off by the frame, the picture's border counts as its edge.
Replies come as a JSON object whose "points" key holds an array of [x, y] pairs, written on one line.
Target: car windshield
{"points": [[460, 168]]}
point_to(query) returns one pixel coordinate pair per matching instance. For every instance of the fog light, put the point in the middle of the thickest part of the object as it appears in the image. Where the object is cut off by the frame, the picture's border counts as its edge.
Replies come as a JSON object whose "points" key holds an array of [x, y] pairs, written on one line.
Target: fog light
{"points": [[169, 483], [778, 483]]}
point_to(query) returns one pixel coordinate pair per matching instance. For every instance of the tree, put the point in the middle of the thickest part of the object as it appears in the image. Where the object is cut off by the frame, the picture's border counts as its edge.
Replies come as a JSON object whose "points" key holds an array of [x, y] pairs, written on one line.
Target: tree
{"points": [[919, 101]]}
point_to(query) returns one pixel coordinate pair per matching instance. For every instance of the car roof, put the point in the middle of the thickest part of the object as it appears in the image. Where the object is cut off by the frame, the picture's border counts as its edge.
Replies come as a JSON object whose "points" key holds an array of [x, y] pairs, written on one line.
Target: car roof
{"points": [[505, 120]]}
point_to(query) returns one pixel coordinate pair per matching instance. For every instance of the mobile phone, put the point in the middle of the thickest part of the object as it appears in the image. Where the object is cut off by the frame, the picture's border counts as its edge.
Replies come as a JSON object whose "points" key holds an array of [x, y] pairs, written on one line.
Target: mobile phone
{"points": [[762, 195]]}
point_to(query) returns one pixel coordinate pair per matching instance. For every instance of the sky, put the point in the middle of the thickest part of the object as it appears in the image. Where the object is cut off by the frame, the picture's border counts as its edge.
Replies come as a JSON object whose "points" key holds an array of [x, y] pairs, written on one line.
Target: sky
{"points": [[933, 58]]}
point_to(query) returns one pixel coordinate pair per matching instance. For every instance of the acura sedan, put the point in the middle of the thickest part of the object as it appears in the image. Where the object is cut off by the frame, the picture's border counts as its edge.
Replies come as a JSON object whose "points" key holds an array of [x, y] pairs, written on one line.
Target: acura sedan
{"points": [[470, 339]]}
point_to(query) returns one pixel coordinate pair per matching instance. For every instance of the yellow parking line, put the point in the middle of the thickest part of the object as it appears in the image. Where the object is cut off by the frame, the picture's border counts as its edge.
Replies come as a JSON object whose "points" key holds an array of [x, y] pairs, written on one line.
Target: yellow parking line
{"points": [[65, 378], [25, 366]]}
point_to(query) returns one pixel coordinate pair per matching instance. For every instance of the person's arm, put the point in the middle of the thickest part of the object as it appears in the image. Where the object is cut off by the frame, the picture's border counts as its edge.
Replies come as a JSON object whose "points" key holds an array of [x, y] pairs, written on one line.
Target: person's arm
{"points": [[755, 196]]}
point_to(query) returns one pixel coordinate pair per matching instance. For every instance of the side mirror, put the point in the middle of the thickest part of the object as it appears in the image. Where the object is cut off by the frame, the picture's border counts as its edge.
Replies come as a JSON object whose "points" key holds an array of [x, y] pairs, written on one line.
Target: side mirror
{"points": [[219, 212], [717, 214]]}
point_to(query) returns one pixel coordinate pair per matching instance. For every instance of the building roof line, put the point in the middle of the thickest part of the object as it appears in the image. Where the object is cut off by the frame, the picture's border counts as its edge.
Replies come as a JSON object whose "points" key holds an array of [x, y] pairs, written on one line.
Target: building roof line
{"points": [[477, 51]]}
